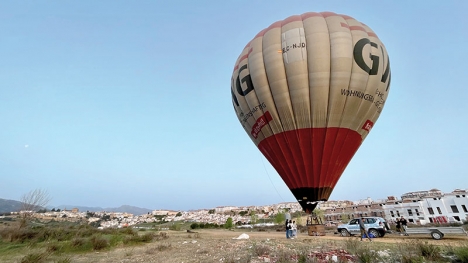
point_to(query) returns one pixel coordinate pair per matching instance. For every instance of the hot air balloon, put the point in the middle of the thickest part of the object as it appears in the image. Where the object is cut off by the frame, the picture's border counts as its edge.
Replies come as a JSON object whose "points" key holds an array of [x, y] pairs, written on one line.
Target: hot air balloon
{"points": [[308, 90]]}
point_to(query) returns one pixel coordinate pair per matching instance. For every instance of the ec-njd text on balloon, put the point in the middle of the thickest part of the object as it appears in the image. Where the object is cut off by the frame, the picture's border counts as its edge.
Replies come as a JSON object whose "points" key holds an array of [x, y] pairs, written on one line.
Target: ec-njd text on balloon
{"points": [[287, 48]]}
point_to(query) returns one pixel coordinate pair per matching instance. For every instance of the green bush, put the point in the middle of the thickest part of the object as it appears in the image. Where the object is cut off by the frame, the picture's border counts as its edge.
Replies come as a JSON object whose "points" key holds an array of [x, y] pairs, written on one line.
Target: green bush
{"points": [[462, 254], [428, 251], [147, 237], [365, 255], [128, 231], [228, 224], [99, 243], [78, 242], [64, 260], [53, 247], [175, 227], [34, 258], [353, 245]]}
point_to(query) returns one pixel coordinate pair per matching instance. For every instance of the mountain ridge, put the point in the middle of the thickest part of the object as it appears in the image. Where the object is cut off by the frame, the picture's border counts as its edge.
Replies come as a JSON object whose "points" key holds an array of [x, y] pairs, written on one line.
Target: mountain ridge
{"points": [[8, 206]]}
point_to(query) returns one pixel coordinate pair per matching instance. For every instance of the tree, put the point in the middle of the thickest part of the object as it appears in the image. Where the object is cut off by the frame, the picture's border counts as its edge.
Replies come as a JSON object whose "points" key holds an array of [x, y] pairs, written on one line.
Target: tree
{"points": [[280, 218], [344, 217], [228, 224], [253, 218], [179, 214], [32, 201]]}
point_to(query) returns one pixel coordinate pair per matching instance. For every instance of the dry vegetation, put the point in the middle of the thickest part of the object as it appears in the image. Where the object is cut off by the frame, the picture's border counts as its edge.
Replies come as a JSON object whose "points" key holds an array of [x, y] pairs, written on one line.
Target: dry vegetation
{"points": [[220, 245]]}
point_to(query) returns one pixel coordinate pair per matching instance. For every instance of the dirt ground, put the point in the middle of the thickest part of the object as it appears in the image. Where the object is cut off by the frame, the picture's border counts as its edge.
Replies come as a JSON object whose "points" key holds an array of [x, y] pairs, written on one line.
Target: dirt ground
{"points": [[222, 246]]}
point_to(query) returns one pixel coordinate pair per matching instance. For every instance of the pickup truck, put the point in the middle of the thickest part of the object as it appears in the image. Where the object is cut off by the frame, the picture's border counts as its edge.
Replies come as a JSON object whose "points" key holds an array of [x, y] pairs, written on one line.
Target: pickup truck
{"points": [[436, 233]]}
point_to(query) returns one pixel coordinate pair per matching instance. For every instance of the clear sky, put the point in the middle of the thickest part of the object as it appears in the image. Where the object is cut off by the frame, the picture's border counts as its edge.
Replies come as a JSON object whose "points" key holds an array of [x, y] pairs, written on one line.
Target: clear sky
{"points": [[106, 103]]}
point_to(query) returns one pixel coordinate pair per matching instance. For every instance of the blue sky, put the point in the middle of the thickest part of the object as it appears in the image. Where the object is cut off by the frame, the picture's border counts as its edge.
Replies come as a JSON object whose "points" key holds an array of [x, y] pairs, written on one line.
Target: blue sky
{"points": [[105, 103]]}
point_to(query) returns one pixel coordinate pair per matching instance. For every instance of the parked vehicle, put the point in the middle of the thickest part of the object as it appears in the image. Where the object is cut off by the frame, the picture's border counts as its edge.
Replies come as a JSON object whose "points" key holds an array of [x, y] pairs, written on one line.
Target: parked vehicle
{"points": [[376, 226], [436, 233]]}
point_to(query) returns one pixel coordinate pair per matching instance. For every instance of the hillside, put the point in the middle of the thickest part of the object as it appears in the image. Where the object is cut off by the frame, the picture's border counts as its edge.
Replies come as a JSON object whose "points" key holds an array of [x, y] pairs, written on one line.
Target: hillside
{"points": [[7, 206]]}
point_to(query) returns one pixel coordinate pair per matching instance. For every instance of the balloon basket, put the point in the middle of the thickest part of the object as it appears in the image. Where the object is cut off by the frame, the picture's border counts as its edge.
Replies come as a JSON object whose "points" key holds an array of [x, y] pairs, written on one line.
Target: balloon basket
{"points": [[316, 230], [315, 227]]}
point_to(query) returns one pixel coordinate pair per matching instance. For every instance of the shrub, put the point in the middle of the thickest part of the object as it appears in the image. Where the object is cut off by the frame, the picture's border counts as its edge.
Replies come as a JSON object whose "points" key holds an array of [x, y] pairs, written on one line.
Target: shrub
{"points": [[34, 258], [128, 231], [412, 259], [284, 256], [428, 251], [175, 227], [99, 243], [260, 249], [353, 245], [86, 232], [462, 254], [77, 242], [53, 247], [162, 247], [162, 235], [147, 237], [228, 224], [365, 255], [64, 260]]}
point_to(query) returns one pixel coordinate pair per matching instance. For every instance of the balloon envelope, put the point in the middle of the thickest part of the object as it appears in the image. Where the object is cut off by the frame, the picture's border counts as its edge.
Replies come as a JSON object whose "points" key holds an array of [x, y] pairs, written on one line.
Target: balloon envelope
{"points": [[308, 90]]}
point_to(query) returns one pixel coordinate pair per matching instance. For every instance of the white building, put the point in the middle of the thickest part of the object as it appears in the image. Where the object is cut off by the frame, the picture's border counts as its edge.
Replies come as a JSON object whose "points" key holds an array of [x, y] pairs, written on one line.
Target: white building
{"points": [[222, 209], [430, 206]]}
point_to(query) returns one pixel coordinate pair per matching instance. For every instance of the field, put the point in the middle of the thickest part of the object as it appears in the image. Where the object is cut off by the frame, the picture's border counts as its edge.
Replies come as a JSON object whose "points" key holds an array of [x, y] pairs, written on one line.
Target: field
{"points": [[221, 245]]}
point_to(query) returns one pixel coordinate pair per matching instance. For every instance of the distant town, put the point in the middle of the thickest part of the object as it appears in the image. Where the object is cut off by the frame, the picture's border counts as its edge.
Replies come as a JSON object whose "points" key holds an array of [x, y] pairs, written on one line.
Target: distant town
{"points": [[421, 207]]}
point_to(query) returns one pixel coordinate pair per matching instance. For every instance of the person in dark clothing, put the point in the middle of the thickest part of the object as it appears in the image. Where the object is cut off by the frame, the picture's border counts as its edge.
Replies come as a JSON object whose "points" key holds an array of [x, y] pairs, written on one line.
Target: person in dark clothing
{"points": [[404, 224], [363, 229], [288, 229], [398, 225]]}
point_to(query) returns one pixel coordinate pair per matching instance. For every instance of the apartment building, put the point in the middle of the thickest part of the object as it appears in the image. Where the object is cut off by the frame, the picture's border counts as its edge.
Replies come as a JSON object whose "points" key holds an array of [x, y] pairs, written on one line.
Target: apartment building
{"points": [[430, 206], [420, 207]]}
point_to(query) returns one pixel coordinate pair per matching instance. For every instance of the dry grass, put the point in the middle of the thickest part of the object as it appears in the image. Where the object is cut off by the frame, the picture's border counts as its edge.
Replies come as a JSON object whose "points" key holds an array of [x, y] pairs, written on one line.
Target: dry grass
{"points": [[218, 245]]}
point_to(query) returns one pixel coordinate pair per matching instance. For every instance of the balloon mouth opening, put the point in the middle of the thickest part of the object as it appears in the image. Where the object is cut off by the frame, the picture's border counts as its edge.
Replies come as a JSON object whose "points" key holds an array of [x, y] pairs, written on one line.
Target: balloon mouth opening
{"points": [[310, 197]]}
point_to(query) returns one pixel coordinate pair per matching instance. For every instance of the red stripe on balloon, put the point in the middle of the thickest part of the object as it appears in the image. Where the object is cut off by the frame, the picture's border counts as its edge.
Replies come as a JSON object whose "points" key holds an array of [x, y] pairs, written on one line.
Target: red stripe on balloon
{"points": [[311, 158], [310, 14], [328, 14], [292, 19], [246, 55], [360, 28]]}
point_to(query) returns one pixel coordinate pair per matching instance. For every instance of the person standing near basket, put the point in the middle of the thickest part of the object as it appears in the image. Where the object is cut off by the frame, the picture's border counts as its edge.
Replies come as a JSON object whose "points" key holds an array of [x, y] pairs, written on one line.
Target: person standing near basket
{"points": [[288, 229], [294, 229], [363, 229]]}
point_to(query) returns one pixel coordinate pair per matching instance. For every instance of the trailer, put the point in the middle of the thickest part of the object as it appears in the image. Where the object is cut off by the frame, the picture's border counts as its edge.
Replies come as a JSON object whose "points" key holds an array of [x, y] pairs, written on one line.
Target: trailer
{"points": [[436, 233]]}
